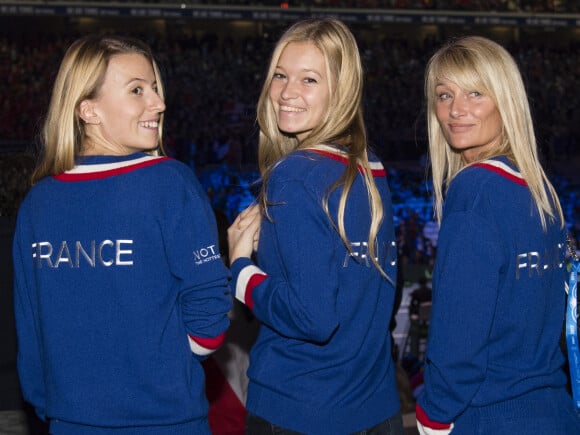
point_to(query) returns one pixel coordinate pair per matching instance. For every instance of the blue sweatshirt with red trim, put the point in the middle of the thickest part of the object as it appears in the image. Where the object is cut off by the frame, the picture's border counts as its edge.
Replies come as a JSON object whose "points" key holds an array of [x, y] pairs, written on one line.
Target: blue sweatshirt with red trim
{"points": [[322, 362], [498, 298], [120, 291]]}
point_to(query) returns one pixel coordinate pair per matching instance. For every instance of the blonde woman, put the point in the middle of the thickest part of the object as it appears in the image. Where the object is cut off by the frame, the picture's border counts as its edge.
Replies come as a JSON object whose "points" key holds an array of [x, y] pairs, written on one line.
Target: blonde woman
{"points": [[120, 290], [493, 362], [322, 285]]}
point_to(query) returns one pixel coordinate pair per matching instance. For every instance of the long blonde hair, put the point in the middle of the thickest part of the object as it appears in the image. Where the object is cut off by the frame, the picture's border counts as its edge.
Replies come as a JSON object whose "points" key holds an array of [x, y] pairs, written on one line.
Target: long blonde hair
{"points": [[343, 125], [80, 76], [477, 63]]}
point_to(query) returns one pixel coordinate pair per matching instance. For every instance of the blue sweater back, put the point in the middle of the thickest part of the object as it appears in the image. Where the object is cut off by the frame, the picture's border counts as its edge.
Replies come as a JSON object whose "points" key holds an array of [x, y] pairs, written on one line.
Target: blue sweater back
{"points": [[498, 295], [322, 362], [118, 279]]}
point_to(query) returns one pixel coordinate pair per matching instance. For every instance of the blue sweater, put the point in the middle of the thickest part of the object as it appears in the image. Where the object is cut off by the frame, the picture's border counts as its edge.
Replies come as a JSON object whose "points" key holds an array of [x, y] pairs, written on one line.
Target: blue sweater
{"points": [[322, 362], [119, 292], [498, 296]]}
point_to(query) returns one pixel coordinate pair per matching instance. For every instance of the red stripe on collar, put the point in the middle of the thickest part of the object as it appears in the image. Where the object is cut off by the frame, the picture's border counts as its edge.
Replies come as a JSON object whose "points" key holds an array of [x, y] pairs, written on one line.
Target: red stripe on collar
{"points": [[503, 170], [100, 174], [377, 168]]}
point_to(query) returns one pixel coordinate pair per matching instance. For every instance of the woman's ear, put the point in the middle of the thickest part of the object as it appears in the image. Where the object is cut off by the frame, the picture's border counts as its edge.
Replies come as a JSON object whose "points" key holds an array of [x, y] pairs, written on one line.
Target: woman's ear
{"points": [[87, 112]]}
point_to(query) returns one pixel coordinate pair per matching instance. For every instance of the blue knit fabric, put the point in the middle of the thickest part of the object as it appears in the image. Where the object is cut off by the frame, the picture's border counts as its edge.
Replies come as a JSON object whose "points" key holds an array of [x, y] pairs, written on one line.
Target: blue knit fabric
{"points": [[322, 362], [498, 300], [117, 279]]}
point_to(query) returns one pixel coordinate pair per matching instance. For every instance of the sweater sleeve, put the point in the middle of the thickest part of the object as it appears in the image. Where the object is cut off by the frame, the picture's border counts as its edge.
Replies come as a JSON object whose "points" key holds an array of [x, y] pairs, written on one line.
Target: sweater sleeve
{"points": [[297, 297], [29, 360], [194, 256], [465, 291]]}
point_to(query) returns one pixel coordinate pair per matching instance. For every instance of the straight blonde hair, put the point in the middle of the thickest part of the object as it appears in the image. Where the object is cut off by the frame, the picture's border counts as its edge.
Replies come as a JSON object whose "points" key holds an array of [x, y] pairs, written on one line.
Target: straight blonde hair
{"points": [[477, 63], [342, 126]]}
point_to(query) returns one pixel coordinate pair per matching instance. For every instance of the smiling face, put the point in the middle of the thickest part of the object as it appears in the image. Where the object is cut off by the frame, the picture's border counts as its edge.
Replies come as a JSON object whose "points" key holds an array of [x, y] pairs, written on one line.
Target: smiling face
{"points": [[469, 120], [124, 117], [299, 91]]}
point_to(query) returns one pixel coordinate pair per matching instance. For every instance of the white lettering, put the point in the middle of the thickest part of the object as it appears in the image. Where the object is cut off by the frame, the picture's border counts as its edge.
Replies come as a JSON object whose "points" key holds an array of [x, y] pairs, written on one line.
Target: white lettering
{"points": [[101, 246], [121, 251], [521, 264], [534, 258], [536, 264], [205, 254], [360, 252], [81, 251], [63, 255], [122, 255], [40, 255]]}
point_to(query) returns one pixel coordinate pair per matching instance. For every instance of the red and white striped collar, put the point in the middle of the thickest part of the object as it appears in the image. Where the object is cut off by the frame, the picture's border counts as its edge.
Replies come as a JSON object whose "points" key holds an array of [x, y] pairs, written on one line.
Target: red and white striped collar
{"points": [[85, 172], [377, 168], [503, 169]]}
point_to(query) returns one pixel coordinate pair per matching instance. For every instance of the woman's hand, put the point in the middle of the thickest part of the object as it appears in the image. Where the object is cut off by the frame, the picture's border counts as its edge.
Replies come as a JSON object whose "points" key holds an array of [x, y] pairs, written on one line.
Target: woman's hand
{"points": [[244, 232]]}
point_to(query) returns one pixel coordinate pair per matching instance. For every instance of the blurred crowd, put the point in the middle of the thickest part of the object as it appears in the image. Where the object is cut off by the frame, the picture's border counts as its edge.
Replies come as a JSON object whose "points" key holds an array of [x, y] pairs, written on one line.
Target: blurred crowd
{"points": [[212, 86], [558, 6]]}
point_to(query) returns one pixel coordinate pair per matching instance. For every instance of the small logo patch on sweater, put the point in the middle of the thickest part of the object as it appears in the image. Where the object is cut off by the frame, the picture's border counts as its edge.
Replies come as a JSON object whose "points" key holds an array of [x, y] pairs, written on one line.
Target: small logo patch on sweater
{"points": [[206, 254]]}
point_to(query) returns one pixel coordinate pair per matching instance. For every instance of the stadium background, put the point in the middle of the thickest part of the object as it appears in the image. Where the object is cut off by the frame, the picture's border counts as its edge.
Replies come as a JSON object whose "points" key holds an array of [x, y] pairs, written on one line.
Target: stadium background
{"points": [[213, 55]]}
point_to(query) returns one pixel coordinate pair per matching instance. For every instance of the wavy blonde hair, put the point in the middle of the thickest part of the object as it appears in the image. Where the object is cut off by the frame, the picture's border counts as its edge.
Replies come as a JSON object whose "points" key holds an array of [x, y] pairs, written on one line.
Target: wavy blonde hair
{"points": [[342, 126], [80, 76], [477, 63]]}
